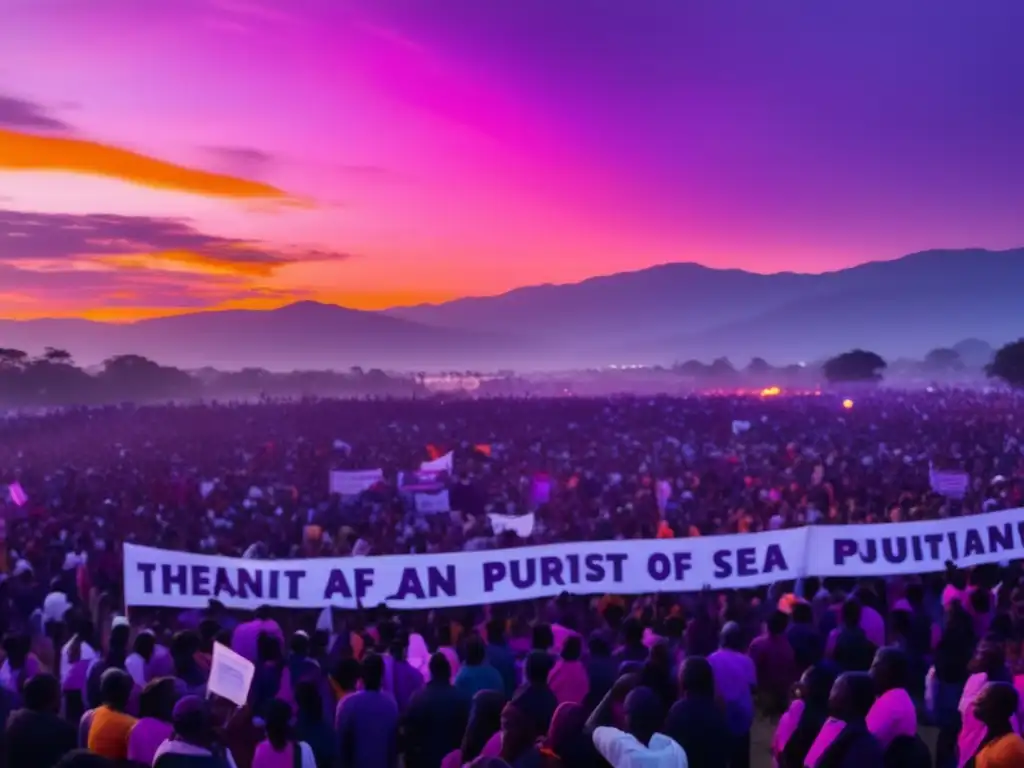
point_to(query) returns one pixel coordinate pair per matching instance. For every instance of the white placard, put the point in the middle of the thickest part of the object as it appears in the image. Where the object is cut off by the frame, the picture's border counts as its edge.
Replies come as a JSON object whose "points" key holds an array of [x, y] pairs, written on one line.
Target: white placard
{"points": [[520, 525], [231, 675], [432, 503], [346, 483], [440, 464]]}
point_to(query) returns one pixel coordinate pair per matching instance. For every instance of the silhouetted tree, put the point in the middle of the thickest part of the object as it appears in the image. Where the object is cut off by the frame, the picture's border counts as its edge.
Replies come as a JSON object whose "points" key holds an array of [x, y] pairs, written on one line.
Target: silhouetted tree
{"points": [[943, 360], [1008, 364], [855, 366], [692, 368], [12, 358], [975, 353], [759, 366], [132, 377], [54, 355], [721, 367]]}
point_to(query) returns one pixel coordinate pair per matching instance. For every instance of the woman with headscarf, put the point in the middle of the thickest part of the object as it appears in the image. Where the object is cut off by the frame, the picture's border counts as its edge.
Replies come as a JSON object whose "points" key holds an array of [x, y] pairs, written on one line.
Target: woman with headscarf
{"points": [[800, 725], [483, 734]]}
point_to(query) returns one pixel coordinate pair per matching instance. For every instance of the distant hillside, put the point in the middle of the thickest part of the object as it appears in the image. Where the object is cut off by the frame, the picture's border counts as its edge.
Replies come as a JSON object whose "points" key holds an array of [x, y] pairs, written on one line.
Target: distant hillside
{"points": [[900, 308], [303, 335]]}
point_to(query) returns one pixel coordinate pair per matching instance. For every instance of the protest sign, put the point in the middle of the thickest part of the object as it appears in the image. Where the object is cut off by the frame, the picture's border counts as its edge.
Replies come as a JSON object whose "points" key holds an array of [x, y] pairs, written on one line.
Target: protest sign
{"points": [[230, 675], [520, 525], [157, 577], [432, 503], [421, 481], [950, 483], [354, 483], [885, 549], [440, 464]]}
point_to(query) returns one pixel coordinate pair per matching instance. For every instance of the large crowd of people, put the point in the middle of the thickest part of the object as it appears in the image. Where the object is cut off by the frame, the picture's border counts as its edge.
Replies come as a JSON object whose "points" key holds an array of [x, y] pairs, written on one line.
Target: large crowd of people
{"points": [[842, 672]]}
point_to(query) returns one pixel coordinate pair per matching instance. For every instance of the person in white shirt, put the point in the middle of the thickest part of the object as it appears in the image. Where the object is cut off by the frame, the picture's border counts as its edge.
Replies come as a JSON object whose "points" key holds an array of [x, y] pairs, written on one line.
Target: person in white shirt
{"points": [[640, 745]]}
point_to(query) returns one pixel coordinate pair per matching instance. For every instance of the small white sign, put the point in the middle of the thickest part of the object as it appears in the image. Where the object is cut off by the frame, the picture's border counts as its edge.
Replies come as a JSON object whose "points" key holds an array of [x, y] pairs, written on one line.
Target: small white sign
{"points": [[231, 675], [520, 525], [440, 464], [432, 503]]}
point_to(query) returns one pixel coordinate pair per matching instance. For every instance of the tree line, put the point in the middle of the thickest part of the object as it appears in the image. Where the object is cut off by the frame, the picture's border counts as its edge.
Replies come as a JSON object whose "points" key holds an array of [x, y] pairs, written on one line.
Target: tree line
{"points": [[860, 365], [53, 379]]}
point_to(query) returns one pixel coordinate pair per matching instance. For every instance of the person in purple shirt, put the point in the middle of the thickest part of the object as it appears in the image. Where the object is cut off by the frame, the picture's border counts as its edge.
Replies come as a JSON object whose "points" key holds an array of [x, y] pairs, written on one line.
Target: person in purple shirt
{"points": [[245, 638], [402, 680], [367, 722]]}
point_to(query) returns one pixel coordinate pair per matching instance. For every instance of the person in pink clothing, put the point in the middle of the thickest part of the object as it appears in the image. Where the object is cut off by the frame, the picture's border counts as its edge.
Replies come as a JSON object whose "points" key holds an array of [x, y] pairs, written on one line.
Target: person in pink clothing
{"points": [[280, 750], [245, 638], [156, 705], [568, 678], [893, 714]]}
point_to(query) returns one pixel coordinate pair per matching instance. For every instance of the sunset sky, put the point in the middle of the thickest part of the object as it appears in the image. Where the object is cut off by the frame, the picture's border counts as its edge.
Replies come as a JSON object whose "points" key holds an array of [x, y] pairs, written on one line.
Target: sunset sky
{"points": [[158, 157]]}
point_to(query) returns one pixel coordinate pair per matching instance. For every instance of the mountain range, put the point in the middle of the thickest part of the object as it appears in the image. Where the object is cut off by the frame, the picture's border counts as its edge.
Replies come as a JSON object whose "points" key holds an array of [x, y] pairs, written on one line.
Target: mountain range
{"points": [[662, 314]]}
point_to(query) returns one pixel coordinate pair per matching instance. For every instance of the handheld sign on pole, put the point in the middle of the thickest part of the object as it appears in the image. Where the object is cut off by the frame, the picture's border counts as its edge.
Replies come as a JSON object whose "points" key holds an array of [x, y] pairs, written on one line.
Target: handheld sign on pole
{"points": [[230, 675]]}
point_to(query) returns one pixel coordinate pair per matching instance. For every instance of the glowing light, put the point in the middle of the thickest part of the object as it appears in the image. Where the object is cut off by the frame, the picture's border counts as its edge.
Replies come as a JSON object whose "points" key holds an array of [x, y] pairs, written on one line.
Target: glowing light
{"points": [[770, 392], [847, 404]]}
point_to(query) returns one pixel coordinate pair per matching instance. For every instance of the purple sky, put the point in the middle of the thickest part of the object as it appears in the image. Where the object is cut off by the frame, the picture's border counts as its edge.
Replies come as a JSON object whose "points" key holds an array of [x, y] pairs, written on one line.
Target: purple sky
{"points": [[442, 148]]}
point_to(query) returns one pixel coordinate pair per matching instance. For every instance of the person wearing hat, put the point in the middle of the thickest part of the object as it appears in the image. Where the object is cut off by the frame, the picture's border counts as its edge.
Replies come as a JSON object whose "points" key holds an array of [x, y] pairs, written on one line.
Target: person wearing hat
{"points": [[641, 745], [193, 743]]}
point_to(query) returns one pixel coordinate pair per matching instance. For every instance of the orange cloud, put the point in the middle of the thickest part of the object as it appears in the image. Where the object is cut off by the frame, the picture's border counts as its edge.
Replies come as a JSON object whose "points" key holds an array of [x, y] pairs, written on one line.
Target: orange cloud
{"points": [[190, 262], [28, 152]]}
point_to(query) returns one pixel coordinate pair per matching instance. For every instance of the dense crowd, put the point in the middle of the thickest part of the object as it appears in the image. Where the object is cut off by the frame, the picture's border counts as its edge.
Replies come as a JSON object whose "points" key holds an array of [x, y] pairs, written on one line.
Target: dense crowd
{"points": [[846, 673]]}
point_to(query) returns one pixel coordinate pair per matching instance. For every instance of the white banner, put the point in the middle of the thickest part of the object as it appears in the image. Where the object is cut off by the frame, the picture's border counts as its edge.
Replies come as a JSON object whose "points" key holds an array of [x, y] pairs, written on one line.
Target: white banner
{"points": [[353, 483], [886, 549], [520, 525], [432, 503], [157, 577], [440, 464]]}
